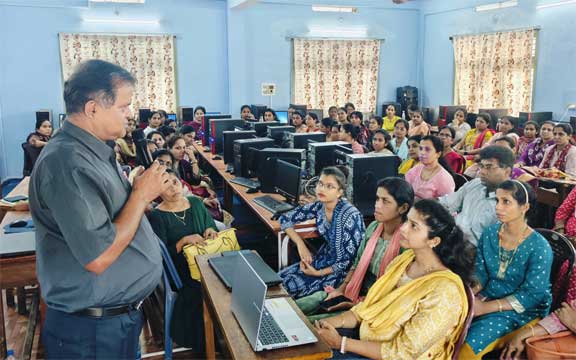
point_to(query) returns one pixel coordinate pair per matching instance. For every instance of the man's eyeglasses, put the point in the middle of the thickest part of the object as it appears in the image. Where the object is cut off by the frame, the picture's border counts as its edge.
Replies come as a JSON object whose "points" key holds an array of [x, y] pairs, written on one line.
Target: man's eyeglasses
{"points": [[488, 166]]}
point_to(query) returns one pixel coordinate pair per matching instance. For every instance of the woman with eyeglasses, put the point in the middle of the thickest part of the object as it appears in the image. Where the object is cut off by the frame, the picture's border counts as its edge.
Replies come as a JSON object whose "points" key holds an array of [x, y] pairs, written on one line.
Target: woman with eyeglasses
{"points": [[338, 222], [513, 265], [431, 178], [452, 158]]}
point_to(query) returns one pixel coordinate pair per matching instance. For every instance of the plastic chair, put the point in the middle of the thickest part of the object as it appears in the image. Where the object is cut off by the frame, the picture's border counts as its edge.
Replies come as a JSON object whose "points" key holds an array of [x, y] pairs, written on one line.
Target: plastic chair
{"points": [[563, 251], [467, 322], [170, 278]]}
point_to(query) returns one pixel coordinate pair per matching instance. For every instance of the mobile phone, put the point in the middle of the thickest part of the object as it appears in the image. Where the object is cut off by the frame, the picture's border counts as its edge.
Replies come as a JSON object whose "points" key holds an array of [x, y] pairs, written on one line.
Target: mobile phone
{"points": [[335, 301]]}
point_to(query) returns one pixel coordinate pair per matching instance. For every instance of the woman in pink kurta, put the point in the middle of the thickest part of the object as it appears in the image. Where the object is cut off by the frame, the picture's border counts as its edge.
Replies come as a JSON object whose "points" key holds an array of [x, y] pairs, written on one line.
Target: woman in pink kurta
{"points": [[430, 179]]}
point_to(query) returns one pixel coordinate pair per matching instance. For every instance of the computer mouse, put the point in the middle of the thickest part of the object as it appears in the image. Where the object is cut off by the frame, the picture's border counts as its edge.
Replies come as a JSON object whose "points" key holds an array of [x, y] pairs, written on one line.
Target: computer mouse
{"points": [[217, 157], [251, 191], [19, 224]]}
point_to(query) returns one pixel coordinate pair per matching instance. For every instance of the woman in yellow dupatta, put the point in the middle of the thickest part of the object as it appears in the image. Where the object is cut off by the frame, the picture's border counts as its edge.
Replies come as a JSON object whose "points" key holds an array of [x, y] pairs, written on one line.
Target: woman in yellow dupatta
{"points": [[417, 309], [475, 139]]}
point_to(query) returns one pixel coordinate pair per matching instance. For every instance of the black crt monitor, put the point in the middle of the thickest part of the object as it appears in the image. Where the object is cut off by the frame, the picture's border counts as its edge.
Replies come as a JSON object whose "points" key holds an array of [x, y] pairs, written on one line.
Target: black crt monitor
{"points": [[287, 181], [538, 117], [241, 153], [397, 108], [340, 153], [365, 170], [186, 114], [321, 154], [302, 109], [205, 129], [495, 115], [447, 112], [144, 115], [318, 112], [261, 128], [266, 163], [228, 140], [573, 121], [471, 119], [300, 140], [217, 128], [278, 133], [258, 110], [282, 116]]}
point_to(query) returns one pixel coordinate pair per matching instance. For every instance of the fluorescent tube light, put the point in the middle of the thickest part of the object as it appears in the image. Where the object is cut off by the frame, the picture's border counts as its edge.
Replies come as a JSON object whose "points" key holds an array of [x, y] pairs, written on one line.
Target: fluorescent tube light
{"points": [[318, 31], [122, 21], [559, 3], [119, 1], [330, 8], [497, 6]]}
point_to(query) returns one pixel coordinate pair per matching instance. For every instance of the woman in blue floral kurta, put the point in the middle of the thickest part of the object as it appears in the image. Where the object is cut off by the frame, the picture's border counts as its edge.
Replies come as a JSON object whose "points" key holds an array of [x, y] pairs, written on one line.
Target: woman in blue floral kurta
{"points": [[342, 227], [514, 279]]}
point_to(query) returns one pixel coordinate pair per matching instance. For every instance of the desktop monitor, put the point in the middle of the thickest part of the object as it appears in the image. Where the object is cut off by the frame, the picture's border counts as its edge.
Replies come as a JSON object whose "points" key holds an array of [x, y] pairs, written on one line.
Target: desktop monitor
{"points": [[144, 115], [171, 117], [213, 113], [258, 110], [261, 128], [278, 133], [318, 112], [365, 170], [228, 140], [217, 128], [186, 114], [573, 122], [302, 108], [538, 117], [282, 116], [300, 140], [340, 153], [204, 131], [287, 181], [397, 108], [447, 112], [320, 155], [266, 159], [241, 153], [471, 119]]}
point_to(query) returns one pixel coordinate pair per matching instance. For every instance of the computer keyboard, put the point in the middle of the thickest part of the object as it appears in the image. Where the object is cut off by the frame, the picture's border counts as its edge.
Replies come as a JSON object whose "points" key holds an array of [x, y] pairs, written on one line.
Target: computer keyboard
{"points": [[270, 332], [272, 205], [249, 183]]}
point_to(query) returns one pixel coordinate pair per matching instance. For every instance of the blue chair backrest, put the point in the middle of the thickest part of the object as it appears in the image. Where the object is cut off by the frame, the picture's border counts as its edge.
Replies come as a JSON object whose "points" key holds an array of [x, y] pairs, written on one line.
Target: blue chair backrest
{"points": [[169, 266]]}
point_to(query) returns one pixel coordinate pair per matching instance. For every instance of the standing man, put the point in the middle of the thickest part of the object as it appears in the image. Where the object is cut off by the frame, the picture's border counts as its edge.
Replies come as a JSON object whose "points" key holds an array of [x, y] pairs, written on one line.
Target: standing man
{"points": [[97, 255]]}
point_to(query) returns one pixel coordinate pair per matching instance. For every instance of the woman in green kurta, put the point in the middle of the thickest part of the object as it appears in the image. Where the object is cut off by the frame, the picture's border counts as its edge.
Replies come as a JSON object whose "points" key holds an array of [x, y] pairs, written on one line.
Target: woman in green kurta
{"points": [[179, 221], [380, 245]]}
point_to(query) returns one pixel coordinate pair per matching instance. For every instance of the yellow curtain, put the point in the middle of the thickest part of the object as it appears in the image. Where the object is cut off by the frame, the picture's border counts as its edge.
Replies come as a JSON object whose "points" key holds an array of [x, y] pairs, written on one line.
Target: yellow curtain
{"points": [[333, 72], [150, 59], [495, 70]]}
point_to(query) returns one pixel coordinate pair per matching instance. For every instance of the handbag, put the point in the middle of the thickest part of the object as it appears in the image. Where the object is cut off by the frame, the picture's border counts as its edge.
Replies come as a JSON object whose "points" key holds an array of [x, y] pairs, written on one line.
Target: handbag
{"points": [[225, 241], [561, 345]]}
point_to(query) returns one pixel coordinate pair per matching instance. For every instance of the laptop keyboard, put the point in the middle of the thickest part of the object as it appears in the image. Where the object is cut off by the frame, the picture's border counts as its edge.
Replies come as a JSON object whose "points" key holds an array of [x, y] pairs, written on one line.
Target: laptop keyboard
{"points": [[249, 183], [270, 332], [272, 205]]}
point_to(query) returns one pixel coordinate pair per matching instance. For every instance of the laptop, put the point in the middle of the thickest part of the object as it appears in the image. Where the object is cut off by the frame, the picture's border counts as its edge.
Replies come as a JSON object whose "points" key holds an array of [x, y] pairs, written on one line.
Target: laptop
{"points": [[267, 323], [225, 267]]}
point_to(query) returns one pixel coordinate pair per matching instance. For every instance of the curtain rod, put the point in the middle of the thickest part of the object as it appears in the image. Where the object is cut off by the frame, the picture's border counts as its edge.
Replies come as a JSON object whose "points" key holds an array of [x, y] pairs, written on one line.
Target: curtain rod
{"points": [[496, 32], [116, 34], [288, 38]]}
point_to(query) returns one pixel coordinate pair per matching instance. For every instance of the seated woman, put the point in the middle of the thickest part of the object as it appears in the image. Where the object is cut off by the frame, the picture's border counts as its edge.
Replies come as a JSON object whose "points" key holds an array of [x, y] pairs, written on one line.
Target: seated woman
{"points": [[335, 132], [459, 125], [298, 122], [246, 113], [270, 115], [196, 123], [513, 269], [154, 122], [530, 133], [374, 124], [380, 245], [418, 308], [326, 128], [565, 218], [350, 133], [400, 141], [126, 144], [561, 155], [381, 143], [390, 119], [158, 138], [342, 116], [562, 319], [311, 122], [342, 227], [167, 131], [452, 158], [432, 178], [179, 221], [534, 152], [506, 127], [475, 139], [357, 119], [417, 125], [413, 155], [35, 142]]}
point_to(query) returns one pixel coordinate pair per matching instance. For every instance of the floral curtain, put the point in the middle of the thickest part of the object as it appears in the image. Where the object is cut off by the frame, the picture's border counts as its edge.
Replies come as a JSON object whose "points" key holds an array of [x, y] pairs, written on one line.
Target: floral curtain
{"points": [[333, 72], [150, 59], [495, 70]]}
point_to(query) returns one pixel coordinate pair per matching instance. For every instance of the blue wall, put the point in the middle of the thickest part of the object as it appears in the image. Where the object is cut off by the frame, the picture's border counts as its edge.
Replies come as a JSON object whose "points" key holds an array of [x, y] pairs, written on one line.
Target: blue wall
{"points": [[259, 51], [30, 73], [555, 84]]}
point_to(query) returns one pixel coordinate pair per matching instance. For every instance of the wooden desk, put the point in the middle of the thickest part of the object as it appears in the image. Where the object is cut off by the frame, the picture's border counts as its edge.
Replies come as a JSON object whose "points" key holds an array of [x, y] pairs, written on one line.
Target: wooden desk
{"points": [[16, 271], [305, 230], [217, 303]]}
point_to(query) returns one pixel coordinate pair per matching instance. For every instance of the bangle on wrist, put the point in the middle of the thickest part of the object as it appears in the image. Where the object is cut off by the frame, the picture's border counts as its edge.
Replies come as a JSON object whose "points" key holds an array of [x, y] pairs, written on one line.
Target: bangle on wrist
{"points": [[499, 305], [343, 322], [532, 328], [343, 345]]}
